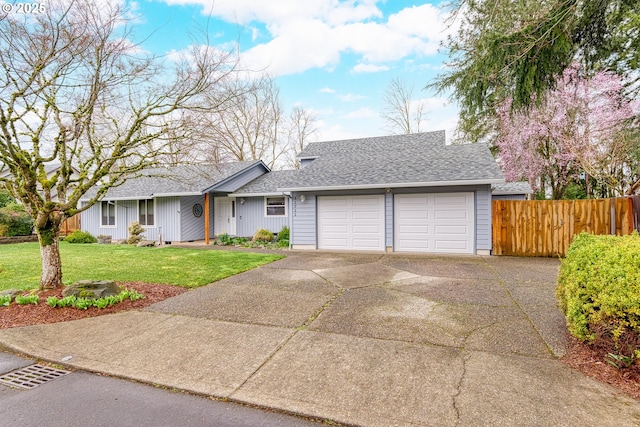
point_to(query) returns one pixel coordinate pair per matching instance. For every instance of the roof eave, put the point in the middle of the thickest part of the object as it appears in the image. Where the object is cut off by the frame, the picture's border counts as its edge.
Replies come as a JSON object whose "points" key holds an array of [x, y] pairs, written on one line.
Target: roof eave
{"points": [[266, 193], [398, 185], [240, 172]]}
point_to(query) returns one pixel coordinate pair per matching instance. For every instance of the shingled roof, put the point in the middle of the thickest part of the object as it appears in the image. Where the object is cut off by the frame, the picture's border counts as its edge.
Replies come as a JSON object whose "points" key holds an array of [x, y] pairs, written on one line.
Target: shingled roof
{"points": [[268, 184], [394, 161], [180, 180]]}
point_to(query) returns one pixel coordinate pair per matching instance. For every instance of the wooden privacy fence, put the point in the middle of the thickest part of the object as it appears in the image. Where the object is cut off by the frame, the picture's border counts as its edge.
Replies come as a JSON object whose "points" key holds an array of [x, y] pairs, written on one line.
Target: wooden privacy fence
{"points": [[546, 228], [70, 225]]}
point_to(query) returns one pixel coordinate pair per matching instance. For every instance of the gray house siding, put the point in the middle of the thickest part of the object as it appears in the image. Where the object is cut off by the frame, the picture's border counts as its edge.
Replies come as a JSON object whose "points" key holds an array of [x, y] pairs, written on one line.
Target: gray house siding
{"points": [[388, 219], [304, 226], [126, 212], [305, 162], [250, 216], [483, 218], [191, 227], [303, 220]]}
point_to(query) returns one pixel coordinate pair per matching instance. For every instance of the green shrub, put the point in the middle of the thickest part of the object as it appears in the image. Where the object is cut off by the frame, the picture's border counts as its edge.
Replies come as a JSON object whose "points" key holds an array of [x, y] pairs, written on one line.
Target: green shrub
{"points": [[102, 302], [599, 290], [15, 220], [80, 237], [262, 235], [5, 300], [135, 233], [27, 299], [284, 233]]}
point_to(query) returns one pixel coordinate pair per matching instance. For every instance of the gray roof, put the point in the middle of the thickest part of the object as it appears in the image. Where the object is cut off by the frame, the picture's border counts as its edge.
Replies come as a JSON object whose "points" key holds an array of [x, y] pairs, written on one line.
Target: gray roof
{"points": [[268, 183], [175, 180], [511, 188], [395, 161], [353, 146]]}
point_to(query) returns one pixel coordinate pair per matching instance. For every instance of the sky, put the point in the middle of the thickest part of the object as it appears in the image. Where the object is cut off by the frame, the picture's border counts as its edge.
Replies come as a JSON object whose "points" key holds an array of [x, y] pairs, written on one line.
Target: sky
{"points": [[334, 58]]}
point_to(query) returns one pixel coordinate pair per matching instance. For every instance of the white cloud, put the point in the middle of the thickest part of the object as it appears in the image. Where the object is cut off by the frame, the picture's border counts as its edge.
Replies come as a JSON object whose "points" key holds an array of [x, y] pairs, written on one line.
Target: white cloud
{"points": [[315, 33], [362, 113], [351, 97], [327, 90], [370, 68]]}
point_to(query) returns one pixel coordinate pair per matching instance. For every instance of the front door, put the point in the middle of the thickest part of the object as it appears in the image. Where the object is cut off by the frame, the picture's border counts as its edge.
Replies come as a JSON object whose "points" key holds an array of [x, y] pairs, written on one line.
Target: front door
{"points": [[224, 211]]}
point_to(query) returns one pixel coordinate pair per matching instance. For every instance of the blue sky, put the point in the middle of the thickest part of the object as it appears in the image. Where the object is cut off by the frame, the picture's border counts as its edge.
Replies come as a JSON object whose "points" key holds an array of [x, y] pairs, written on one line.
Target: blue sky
{"points": [[334, 58]]}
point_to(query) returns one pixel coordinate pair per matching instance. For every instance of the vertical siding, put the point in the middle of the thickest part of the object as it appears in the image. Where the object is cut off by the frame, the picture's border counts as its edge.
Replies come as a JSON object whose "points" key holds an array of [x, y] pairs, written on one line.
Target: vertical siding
{"points": [[250, 216], [388, 219], [126, 212], [305, 162], [483, 218], [91, 219], [191, 227], [303, 219]]}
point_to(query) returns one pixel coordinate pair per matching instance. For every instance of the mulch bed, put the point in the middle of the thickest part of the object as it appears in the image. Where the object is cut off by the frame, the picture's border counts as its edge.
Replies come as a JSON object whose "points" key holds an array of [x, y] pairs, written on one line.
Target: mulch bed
{"points": [[24, 315], [591, 362]]}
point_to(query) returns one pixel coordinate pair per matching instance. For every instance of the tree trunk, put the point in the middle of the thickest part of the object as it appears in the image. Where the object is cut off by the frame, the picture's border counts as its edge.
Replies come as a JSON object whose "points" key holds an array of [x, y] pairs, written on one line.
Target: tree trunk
{"points": [[50, 253]]}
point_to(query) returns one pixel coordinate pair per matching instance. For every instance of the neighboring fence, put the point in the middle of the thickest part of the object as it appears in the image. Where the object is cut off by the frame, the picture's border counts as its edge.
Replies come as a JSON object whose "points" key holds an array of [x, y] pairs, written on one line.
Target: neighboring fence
{"points": [[546, 227], [70, 225]]}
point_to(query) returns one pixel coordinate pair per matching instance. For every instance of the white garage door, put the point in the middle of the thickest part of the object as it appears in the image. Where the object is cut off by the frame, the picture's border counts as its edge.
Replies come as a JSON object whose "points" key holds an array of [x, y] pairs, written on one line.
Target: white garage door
{"points": [[434, 222], [351, 222]]}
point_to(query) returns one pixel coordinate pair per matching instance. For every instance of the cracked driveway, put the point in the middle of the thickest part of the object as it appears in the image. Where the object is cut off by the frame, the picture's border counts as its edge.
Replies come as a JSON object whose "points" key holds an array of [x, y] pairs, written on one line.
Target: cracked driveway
{"points": [[362, 339]]}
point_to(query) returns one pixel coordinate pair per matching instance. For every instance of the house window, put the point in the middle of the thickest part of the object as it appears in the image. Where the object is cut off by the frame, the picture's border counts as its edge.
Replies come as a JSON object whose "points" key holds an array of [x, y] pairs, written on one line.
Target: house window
{"points": [[145, 208], [108, 214], [276, 206]]}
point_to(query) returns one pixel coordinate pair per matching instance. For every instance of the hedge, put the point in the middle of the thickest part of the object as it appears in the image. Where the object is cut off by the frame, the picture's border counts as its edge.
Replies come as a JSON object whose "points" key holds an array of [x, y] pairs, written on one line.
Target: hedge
{"points": [[599, 289]]}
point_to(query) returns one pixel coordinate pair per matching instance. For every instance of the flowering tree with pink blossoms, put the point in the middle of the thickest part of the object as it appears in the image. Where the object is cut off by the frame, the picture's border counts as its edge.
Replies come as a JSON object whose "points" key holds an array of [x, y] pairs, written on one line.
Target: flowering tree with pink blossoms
{"points": [[584, 125]]}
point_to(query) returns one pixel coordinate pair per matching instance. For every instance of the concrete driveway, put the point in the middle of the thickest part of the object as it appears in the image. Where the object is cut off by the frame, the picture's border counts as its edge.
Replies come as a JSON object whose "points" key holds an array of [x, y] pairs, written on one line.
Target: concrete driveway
{"points": [[361, 339]]}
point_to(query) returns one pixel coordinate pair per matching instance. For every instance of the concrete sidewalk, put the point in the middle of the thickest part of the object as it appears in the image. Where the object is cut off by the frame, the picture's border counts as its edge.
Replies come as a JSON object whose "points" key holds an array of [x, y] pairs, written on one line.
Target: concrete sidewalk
{"points": [[361, 339]]}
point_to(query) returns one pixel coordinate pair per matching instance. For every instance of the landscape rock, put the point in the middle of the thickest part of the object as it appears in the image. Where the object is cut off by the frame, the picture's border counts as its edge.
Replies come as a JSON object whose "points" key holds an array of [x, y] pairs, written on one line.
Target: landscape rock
{"points": [[92, 289], [145, 243], [12, 292]]}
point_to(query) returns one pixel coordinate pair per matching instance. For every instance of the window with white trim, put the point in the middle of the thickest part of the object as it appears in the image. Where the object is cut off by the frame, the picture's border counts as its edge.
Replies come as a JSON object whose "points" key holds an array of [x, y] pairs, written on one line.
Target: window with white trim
{"points": [[146, 212], [107, 214], [275, 206]]}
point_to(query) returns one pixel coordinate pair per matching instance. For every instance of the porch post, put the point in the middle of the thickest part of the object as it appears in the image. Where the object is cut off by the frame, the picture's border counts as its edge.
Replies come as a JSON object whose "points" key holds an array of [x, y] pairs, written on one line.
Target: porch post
{"points": [[206, 218]]}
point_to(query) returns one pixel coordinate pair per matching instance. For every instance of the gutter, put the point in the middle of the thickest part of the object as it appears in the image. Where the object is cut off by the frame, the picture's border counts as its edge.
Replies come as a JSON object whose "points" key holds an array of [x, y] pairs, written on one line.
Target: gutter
{"points": [[397, 185]]}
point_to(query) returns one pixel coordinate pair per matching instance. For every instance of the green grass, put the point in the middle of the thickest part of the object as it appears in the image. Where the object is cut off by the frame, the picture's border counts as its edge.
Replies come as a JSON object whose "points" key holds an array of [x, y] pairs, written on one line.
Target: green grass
{"points": [[20, 265]]}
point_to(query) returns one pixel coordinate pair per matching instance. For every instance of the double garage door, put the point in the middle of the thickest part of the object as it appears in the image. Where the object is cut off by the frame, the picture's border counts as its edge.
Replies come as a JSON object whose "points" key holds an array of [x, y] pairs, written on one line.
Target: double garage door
{"points": [[427, 222]]}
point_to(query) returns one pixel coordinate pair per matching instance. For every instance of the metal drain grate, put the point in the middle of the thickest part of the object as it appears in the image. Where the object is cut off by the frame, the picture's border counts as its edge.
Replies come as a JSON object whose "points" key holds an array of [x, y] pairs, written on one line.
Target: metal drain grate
{"points": [[31, 376]]}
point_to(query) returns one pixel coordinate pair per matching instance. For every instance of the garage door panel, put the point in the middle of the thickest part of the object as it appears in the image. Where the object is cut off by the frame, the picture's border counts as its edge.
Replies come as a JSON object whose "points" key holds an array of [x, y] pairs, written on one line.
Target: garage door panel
{"points": [[451, 230], [334, 229], [451, 245], [437, 222], [450, 214], [365, 215], [366, 229], [351, 222]]}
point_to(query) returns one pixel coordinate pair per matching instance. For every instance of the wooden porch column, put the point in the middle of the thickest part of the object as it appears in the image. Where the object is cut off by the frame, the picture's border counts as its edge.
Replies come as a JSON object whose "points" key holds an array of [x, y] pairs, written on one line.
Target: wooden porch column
{"points": [[206, 218]]}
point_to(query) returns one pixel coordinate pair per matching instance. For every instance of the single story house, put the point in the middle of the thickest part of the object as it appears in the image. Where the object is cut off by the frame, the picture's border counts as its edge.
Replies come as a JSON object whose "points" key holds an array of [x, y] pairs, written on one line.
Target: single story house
{"points": [[175, 204], [396, 193]]}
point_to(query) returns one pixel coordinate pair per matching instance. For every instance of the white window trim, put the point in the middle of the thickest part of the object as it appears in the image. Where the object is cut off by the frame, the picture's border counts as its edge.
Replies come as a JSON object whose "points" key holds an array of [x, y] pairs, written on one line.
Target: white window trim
{"points": [[155, 220], [115, 215], [286, 205]]}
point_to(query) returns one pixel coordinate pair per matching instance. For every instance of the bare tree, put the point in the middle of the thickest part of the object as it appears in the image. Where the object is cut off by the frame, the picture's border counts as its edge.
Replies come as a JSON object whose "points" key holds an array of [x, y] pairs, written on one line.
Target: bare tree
{"points": [[401, 113], [75, 91], [248, 124], [301, 131]]}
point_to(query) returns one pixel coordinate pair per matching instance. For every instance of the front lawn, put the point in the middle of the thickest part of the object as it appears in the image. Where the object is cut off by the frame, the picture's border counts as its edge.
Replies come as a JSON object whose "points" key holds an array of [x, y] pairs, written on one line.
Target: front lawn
{"points": [[20, 265]]}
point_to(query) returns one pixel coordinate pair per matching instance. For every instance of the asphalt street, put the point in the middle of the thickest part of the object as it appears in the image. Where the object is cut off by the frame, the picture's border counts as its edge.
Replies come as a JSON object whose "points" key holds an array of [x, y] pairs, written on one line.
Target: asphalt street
{"points": [[83, 399]]}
